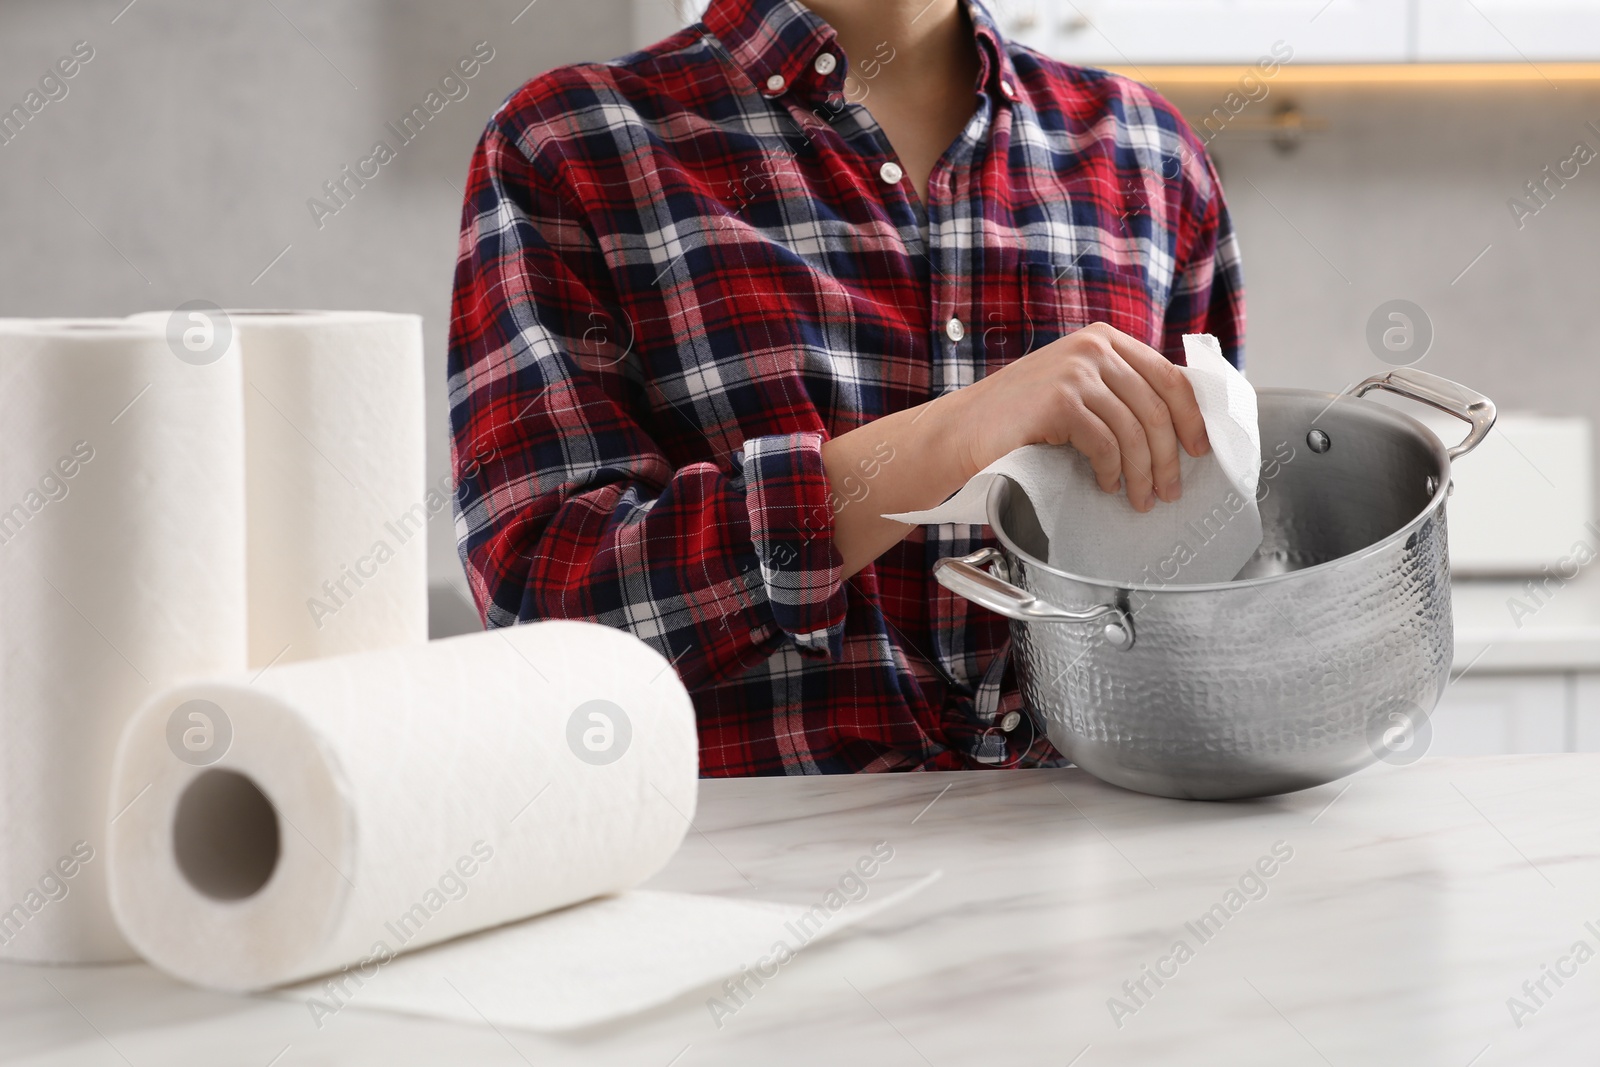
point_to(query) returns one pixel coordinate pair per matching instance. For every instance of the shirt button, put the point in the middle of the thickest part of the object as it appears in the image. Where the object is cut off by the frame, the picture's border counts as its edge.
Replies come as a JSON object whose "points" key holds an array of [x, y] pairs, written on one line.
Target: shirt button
{"points": [[1013, 719], [1010, 93], [954, 330], [890, 172], [775, 83], [825, 63]]}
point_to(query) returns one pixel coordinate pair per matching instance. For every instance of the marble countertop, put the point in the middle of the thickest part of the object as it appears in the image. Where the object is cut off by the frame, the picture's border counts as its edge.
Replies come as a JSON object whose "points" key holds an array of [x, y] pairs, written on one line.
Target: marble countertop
{"points": [[1385, 919]]}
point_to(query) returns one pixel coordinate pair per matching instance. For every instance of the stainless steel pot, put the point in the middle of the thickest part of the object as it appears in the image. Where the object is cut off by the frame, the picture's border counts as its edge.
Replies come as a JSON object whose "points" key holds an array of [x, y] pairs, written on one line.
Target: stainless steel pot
{"points": [[1290, 676]]}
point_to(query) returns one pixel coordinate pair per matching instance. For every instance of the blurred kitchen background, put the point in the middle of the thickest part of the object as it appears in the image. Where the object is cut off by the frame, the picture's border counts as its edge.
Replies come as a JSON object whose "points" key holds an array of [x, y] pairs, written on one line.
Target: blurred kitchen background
{"points": [[1377, 163]]}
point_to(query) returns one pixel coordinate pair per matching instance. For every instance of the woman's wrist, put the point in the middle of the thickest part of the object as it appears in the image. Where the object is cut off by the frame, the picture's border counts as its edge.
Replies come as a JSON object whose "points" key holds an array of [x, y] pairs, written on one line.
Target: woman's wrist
{"points": [[947, 427], [908, 461], [934, 435]]}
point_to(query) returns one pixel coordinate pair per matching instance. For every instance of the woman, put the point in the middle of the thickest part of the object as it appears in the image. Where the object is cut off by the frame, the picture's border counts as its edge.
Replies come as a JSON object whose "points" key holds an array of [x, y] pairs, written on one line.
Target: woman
{"points": [[723, 303]]}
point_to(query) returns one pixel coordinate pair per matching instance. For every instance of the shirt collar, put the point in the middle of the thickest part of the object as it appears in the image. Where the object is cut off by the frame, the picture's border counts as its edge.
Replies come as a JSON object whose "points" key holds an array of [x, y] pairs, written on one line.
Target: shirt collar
{"points": [[777, 42]]}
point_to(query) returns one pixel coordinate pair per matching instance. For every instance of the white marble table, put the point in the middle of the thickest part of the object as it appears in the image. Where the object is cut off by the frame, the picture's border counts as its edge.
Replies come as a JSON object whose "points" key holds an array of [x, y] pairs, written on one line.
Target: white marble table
{"points": [[1416, 902]]}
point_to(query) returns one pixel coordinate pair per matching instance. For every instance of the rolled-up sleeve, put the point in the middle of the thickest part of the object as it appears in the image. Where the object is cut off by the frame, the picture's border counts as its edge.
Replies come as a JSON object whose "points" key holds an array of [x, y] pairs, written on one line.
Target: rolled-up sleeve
{"points": [[791, 525]]}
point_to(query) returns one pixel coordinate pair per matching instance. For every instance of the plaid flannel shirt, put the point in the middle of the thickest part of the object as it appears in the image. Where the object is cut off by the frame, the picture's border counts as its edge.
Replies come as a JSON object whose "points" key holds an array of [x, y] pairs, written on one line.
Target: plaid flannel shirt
{"points": [[681, 271]]}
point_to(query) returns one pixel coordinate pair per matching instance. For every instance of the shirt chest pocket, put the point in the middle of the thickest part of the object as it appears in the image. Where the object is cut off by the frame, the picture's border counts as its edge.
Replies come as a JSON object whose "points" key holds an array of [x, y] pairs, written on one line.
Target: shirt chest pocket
{"points": [[1061, 298]]}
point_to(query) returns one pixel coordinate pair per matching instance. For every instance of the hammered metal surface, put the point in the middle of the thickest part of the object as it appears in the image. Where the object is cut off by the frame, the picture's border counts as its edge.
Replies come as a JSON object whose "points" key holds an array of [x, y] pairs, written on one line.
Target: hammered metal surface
{"points": [[1260, 687]]}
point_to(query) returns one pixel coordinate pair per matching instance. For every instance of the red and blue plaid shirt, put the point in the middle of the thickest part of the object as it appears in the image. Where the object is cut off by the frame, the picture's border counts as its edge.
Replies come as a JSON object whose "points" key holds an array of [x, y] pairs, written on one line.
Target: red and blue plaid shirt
{"points": [[680, 272]]}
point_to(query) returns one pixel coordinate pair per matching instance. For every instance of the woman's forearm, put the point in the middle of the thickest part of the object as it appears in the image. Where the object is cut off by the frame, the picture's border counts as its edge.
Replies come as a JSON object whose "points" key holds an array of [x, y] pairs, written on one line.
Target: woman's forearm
{"points": [[906, 461]]}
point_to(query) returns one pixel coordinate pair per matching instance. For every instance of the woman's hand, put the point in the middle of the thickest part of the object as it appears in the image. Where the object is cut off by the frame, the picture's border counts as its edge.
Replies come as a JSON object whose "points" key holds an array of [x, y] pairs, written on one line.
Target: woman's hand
{"points": [[1117, 400]]}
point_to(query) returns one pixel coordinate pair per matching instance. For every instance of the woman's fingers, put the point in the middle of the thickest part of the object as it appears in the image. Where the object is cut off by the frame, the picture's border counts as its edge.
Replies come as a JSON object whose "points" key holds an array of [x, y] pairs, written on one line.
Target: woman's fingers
{"points": [[1090, 435], [1153, 415], [1126, 408], [1171, 385], [1132, 443]]}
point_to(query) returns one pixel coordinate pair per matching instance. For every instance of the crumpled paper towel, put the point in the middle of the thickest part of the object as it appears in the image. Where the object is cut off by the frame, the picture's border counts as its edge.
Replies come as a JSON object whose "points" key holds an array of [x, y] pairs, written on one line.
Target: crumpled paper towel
{"points": [[1206, 536]]}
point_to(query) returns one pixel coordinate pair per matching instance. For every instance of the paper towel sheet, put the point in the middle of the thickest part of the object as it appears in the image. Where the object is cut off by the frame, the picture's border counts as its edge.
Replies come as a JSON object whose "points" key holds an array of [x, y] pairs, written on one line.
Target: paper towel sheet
{"points": [[403, 797], [121, 574], [595, 962], [1205, 536], [336, 502]]}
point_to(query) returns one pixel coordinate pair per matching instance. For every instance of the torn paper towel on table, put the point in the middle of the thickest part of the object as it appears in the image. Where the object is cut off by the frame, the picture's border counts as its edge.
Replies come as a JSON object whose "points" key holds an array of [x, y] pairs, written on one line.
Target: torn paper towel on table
{"points": [[1205, 536], [594, 962]]}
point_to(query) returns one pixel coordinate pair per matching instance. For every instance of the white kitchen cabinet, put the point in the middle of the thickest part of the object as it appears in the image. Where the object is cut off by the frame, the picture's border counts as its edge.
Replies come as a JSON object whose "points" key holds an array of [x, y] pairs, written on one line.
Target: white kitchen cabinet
{"points": [[1490, 715], [1131, 32], [1522, 500], [1123, 33], [1586, 713], [1465, 30]]}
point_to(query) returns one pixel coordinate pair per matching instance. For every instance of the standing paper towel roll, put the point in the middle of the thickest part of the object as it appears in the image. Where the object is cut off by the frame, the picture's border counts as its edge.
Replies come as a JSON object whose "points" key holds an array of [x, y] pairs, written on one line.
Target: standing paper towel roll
{"points": [[369, 804], [121, 574], [336, 505]]}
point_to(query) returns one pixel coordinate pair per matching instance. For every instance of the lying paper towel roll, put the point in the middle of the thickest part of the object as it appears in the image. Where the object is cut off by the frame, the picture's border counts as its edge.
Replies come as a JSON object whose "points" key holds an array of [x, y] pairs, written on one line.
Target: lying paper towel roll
{"points": [[393, 799], [121, 574], [1206, 535], [336, 501]]}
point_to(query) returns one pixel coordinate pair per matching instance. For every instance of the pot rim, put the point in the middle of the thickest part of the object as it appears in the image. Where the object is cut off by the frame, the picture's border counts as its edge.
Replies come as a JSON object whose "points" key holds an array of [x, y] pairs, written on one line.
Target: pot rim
{"points": [[1436, 504]]}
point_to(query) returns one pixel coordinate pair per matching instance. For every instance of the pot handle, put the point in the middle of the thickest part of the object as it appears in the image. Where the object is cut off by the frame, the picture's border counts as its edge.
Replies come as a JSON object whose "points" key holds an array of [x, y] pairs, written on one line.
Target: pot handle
{"points": [[1441, 393], [965, 576]]}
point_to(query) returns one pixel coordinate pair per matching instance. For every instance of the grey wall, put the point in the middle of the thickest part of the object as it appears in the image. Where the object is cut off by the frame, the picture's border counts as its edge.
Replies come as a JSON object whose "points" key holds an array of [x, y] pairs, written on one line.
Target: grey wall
{"points": [[189, 146], [1394, 199]]}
